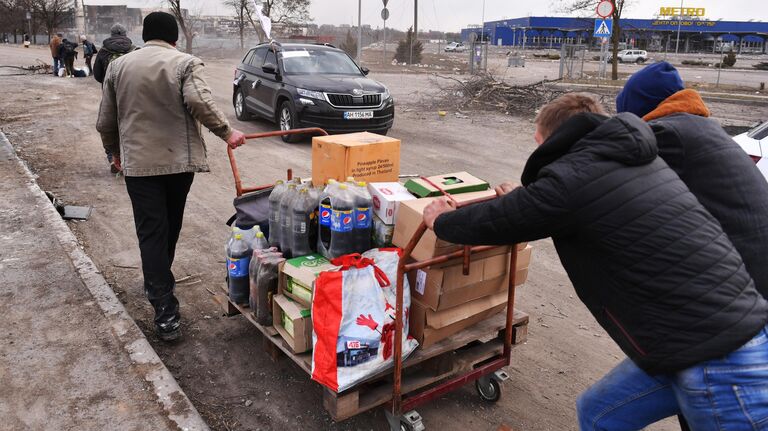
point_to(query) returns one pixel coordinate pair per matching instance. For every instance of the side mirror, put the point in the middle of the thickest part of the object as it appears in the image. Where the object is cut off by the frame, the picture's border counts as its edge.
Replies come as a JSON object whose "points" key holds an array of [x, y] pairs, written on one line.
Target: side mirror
{"points": [[365, 70], [269, 68]]}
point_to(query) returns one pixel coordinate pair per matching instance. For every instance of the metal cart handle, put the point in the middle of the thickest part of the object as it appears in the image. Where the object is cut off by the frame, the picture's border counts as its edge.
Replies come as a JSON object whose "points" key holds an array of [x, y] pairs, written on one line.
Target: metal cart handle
{"points": [[236, 173]]}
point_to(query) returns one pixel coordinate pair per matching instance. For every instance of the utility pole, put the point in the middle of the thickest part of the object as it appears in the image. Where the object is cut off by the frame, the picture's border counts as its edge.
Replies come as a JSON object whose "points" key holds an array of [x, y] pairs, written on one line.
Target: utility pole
{"points": [[359, 31], [482, 23], [415, 29], [679, 21]]}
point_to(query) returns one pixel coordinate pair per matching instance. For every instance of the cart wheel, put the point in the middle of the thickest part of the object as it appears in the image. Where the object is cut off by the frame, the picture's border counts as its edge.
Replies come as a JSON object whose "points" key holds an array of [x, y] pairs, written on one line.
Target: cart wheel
{"points": [[488, 389]]}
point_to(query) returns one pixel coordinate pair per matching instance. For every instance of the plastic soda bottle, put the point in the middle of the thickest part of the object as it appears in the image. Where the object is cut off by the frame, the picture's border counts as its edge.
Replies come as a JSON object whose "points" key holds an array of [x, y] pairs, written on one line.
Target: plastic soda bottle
{"points": [[238, 258], [285, 219], [324, 240], [363, 217], [259, 242], [342, 222], [274, 213], [303, 219]]}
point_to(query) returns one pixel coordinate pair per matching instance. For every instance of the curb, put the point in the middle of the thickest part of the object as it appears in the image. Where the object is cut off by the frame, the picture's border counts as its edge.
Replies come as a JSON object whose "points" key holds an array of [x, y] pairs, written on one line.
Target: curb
{"points": [[170, 396]]}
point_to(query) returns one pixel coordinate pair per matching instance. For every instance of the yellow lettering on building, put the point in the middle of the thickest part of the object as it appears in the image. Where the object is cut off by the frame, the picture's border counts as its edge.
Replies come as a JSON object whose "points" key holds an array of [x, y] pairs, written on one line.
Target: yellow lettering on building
{"points": [[687, 11]]}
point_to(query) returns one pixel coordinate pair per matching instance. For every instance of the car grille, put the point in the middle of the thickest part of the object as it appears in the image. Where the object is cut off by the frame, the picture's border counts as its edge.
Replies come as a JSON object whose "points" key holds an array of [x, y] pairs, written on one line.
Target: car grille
{"points": [[348, 100]]}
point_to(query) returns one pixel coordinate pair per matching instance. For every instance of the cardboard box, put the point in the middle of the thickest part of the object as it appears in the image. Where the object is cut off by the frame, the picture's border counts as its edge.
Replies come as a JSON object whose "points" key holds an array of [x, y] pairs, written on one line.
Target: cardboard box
{"points": [[365, 156], [297, 277], [429, 326], [455, 183], [387, 198], [445, 286], [293, 322], [410, 216]]}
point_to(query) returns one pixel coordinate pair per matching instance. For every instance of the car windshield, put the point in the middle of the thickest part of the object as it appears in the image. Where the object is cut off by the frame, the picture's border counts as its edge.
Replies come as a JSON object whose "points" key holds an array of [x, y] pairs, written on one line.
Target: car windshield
{"points": [[308, 61]]}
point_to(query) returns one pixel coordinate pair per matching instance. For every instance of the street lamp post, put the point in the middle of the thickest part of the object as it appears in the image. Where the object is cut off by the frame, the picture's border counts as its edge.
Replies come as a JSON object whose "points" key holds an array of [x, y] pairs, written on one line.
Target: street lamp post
{"points": [[679, 22], [359, 31]]}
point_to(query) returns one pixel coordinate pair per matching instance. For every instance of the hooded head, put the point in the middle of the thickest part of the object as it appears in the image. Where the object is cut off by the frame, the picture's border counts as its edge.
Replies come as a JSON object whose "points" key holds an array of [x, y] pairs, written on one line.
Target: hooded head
{"points": [[118, 30], [648, 87], [83, 38], [162, 26]]}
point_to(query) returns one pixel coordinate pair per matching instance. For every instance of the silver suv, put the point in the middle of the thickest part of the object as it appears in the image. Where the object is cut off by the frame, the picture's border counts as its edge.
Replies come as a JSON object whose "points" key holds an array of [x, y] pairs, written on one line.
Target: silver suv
{"points": [[632, 56]]}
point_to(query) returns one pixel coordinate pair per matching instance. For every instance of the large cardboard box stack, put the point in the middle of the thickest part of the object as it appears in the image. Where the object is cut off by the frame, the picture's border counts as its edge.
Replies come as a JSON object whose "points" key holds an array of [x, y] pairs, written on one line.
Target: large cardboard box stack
{"points": [[444, 300], [364, 156]]}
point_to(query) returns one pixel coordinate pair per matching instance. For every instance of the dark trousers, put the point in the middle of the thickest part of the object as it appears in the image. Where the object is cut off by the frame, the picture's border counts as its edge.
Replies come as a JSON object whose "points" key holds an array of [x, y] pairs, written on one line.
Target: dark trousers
{"points": [[158, 209], [88, 63], [69, 65]]}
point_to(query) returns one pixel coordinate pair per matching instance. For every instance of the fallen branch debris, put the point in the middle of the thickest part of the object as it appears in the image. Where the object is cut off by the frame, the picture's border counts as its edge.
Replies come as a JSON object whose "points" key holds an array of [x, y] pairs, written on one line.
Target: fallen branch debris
{"points": [[40, 68], [485, 92]]}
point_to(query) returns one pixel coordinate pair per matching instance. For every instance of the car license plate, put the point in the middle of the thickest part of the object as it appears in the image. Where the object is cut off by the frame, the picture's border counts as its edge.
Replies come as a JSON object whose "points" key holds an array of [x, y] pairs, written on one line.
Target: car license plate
{"points": [[358, 115]]}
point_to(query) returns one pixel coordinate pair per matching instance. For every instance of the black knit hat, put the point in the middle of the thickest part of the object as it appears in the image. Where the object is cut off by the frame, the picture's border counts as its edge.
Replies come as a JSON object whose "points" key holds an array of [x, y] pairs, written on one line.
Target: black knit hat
{"points": [[160, 25]]}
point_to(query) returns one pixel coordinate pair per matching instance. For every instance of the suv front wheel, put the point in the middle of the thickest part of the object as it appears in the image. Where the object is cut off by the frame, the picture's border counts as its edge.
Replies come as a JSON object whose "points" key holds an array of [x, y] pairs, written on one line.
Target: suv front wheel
{"points": [[286, 117]]}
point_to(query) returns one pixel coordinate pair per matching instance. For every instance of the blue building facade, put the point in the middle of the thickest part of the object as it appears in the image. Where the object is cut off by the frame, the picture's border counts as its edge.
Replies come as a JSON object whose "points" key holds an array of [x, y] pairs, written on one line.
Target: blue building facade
{"points": [[651, 34]]}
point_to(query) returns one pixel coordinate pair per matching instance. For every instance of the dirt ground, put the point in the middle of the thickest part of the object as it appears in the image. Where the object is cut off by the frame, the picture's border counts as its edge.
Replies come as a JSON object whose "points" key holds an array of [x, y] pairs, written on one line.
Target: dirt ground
{"points": [[219, 363]]}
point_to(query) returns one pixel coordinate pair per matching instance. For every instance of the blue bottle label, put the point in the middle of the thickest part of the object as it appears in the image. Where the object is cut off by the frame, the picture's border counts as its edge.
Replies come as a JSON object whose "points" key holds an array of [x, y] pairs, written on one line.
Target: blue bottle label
{"points": [[238, 267], [362, 218], [325, 214], [342, 221]]}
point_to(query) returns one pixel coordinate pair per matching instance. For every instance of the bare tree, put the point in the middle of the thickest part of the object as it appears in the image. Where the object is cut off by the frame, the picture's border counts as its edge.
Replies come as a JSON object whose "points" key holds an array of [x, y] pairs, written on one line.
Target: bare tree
{"points": [[51, 13], [589, 6], [242, 10], [288, 12], [186, 22]]}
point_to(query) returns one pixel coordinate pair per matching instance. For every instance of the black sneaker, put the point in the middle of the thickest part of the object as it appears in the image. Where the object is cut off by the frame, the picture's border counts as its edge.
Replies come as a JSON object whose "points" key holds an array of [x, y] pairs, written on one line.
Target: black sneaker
{"points": [[170, 331], [113, 168]]}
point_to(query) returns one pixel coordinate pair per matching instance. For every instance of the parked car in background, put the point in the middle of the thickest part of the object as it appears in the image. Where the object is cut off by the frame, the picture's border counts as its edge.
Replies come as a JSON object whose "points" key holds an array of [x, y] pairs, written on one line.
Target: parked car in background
{"points": [[306, 85], [755, 143], [455, 47], [631, 56]]}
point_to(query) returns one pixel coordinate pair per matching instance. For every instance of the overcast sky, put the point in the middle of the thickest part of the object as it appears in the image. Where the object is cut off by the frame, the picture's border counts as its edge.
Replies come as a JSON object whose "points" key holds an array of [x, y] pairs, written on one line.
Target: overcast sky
{"points": [[452, 15]]}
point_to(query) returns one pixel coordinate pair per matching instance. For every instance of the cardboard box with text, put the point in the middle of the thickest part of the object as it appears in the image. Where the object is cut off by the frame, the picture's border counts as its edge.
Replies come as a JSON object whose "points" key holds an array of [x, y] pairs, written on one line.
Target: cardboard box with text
{"points": [[364, 156]]}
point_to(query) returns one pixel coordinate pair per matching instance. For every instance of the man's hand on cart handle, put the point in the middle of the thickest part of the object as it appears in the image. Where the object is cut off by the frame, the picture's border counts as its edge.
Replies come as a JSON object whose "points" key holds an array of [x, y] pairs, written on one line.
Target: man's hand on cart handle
{"points": [[433, 210], [236, 139], [504, 188]]}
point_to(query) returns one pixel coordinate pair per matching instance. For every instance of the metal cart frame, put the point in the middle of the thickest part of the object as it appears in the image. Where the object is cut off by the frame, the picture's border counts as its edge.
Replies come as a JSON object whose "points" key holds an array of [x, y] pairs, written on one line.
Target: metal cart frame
{"points": [[400, 413]]}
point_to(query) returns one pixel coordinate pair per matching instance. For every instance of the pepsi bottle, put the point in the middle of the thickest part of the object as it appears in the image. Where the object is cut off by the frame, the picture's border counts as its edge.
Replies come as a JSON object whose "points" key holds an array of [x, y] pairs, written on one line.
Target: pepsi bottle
{"points": [[238, 259], [363, 217], [274, 213], [342, 222], [324, 240]]}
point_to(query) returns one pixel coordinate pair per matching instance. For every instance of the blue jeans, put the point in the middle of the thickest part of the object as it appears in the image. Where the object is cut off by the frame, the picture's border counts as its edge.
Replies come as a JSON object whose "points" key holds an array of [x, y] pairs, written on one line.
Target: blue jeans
{"points": [[730, 393], [56, 66]]}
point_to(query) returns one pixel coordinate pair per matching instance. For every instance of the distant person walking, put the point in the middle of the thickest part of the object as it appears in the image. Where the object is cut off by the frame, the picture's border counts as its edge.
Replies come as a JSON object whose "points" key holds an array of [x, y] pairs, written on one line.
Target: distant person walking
{"points": [[68, 54], [113, 47], [89, 49], [54, 45], [116, 45], [154, 103]]}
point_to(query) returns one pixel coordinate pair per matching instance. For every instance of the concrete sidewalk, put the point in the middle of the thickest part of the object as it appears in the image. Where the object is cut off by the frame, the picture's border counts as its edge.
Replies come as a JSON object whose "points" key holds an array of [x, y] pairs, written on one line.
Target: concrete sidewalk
{"points": [[70, 356]]}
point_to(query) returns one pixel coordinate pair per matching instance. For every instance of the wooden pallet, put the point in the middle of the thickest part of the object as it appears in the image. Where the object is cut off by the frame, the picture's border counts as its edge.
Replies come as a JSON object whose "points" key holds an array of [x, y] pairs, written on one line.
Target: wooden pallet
{"points": [[425, 366]]}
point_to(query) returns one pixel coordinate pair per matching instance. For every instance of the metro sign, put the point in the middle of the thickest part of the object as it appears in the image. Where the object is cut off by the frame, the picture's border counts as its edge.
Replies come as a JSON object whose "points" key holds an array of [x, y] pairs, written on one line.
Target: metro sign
{"points": [[685, 11]]}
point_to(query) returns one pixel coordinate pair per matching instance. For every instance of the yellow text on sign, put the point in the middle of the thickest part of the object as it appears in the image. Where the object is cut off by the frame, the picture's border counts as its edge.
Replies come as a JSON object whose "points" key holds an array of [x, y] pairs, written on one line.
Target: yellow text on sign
{"points": [[685, 11]]}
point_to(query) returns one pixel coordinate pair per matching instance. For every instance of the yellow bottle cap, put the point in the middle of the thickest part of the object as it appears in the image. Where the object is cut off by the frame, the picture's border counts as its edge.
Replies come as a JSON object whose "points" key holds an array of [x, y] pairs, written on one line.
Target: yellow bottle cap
{"points": [[238, 236]]}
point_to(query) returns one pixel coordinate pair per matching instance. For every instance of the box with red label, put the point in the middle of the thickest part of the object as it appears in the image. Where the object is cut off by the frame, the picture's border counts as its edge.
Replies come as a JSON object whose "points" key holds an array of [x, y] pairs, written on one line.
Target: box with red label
{"points": [[386, 199]]}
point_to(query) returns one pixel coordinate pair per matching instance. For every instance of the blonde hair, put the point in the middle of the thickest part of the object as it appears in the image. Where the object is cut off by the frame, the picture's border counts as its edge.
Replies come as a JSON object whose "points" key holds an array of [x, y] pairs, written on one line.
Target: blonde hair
{"points": [[555, 113]]}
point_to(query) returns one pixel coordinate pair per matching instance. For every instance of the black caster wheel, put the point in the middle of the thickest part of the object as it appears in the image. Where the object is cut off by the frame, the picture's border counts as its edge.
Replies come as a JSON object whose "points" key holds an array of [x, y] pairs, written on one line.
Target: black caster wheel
{"points": [[488, 389]]}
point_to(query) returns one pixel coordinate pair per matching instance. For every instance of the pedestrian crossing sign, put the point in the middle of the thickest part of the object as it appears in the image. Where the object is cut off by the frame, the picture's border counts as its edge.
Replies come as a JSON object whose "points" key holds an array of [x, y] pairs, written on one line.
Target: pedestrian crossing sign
{"points": [[603, 27]]}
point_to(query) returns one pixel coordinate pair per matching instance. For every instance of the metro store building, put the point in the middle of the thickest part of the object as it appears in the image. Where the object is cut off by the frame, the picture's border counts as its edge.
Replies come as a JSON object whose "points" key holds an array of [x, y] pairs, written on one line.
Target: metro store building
{"points": [[697, 34]]}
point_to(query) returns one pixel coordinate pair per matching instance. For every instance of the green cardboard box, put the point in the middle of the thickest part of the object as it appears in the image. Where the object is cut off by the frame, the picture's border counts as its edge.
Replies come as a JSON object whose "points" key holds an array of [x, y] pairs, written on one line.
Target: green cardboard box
{"points": [[297, 277], [455, 183]]}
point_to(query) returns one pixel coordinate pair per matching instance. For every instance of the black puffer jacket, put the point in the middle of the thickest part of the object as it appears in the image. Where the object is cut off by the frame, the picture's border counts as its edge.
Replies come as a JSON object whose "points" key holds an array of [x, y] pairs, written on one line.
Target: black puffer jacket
{"points": [[651, 264], [724, 179], [112, 48]]}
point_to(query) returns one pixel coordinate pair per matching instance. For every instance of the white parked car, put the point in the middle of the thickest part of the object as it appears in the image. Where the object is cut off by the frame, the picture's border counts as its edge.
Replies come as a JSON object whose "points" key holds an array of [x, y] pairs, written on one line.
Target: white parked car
{"points": [[631, 56], [755, 143], [455, 47]]}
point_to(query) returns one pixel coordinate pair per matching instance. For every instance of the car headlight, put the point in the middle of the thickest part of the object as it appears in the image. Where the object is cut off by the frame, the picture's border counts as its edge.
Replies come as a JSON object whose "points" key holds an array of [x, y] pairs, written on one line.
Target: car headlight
{"points": [[310, 93], [385, 95]]}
